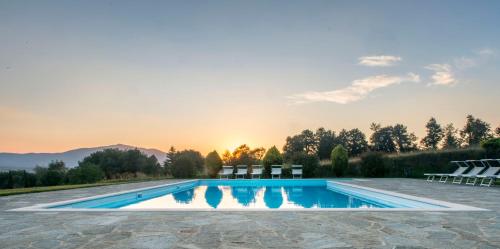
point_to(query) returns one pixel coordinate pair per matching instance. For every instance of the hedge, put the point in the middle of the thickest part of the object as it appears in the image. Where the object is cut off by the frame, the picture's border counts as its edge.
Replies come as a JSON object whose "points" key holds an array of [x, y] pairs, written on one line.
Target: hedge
{"points": [[416, 164]]}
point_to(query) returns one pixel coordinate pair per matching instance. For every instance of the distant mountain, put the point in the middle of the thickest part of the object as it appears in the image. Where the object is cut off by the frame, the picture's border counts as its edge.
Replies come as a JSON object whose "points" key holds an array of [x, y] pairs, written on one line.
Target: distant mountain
{"points": [[28, 161]]}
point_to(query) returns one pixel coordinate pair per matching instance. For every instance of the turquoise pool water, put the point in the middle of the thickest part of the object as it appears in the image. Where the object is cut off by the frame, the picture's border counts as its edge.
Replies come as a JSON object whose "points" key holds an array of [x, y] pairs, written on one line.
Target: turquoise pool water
{"points": [[247, 195]]}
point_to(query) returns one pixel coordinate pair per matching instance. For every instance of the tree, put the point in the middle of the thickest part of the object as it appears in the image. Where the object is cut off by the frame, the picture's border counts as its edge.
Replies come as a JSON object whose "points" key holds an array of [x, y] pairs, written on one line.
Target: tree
{"points": [[497, 131], [151, 166], [309, 162], [404, 141], [195, 158], [474, 131], [258, 153], [213, 162], [244, 155], [382, 138], [304, 142], [226, 157], [123, 163], [272, 156], [310, 144], [354, 141], [339, 159], [168, 161], [56, 173], [326, 142], [85, 173], [41, 176], [184, 166], [434, 134], [450, 139], [492, 147]]}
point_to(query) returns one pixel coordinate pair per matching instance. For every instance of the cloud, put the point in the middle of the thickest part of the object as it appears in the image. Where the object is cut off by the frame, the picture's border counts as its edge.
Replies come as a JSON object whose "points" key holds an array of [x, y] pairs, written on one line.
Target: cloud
{"points": [[465, 62], [358, 90], [443, 74], [486, 52], [379, 60]]}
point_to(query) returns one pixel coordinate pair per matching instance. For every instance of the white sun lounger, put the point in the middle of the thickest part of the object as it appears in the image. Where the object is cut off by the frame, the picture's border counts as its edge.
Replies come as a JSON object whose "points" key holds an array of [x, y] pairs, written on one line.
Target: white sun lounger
{"points": [[241, 170], [256, 171], [478, 168], [462, 167], [276, 171], [226, 172], [296, 171], [489, 176]]}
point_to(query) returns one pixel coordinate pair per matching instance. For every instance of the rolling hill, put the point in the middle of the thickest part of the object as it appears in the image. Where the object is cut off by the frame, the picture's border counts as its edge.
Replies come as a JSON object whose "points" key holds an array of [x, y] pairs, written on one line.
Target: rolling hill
{"points": [[27, 161]]}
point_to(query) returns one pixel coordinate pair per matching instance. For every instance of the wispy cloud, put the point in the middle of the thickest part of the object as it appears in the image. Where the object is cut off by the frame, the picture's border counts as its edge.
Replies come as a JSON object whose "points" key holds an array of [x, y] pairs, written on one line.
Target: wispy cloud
{"points": [[485, 52], [358, 90], [481, 56], [379, 60], [465, 62], [443, 74]]}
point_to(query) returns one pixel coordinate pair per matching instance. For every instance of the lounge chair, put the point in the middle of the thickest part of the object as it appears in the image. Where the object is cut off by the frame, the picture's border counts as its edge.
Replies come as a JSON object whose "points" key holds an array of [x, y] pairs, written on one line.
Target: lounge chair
{"points": [[276, 171], [256, 171], [489, 176], [226, 172], [241, 170], [297, 171], [462, 167], [478, 167]]}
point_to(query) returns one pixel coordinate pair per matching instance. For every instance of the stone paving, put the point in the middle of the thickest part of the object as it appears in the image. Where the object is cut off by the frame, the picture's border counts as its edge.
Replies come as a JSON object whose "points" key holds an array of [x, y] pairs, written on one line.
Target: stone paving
{"points": [[257, 229]]}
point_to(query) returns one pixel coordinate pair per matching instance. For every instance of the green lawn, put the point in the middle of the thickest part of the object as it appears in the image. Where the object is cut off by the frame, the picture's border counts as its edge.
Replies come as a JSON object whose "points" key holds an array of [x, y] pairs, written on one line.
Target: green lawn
{"points": [[17, 191]]}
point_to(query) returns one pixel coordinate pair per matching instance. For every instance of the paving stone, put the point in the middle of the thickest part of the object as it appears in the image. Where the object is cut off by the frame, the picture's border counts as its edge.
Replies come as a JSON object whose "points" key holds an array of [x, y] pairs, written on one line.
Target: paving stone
{"points": [[257, 229]]}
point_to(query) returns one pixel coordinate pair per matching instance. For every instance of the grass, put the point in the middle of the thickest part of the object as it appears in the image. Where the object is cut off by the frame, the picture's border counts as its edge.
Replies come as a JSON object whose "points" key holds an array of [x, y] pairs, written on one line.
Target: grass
{"points": [[18, 191]]}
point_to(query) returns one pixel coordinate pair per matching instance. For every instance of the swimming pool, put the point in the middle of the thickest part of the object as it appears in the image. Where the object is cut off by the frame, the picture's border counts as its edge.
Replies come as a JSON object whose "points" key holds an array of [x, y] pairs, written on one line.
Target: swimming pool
{"points": [[252, 195]]}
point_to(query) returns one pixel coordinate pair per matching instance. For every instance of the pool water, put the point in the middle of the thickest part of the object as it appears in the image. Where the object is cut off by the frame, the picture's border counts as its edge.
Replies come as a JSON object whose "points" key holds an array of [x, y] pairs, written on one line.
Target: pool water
{"points": [[230, 197], [247, 195]]}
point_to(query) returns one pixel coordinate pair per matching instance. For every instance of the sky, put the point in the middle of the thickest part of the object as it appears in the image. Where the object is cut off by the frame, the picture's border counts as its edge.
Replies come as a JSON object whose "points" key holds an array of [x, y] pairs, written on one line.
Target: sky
{"points": [[215, 74]]}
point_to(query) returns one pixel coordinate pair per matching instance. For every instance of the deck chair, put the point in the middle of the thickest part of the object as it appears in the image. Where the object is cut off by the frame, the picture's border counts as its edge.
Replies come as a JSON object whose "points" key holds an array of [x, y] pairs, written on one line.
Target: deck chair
{"points": [[296, 171], [226, 172], [241, 170], [489, 176], [276, 171], [478, 167], [256, 171], [462, 167]]}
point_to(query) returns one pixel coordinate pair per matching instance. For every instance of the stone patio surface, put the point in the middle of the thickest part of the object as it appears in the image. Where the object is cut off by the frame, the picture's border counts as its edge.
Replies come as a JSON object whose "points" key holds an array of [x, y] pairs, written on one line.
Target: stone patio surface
{"points": [[257, 229]]}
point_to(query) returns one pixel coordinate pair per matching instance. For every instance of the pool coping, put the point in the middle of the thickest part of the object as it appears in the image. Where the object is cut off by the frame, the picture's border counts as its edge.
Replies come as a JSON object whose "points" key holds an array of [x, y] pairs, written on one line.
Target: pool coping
{"points": [[447, 206]]}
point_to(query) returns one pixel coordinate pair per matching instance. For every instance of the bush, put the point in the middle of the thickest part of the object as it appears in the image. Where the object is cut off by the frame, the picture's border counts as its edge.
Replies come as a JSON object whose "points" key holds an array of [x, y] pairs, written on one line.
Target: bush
{"points": [[213, 162], [491, 146], [373, 164], [339, 159], [309, 163], [272, 156]]}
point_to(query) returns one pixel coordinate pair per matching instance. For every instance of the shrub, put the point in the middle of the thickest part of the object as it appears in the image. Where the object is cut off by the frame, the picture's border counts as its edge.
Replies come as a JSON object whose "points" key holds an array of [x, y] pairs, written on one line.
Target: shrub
{"points": [[272, 156], [213, 162], [339, 159], [309, 163], [491, 146], [373, 164]]}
